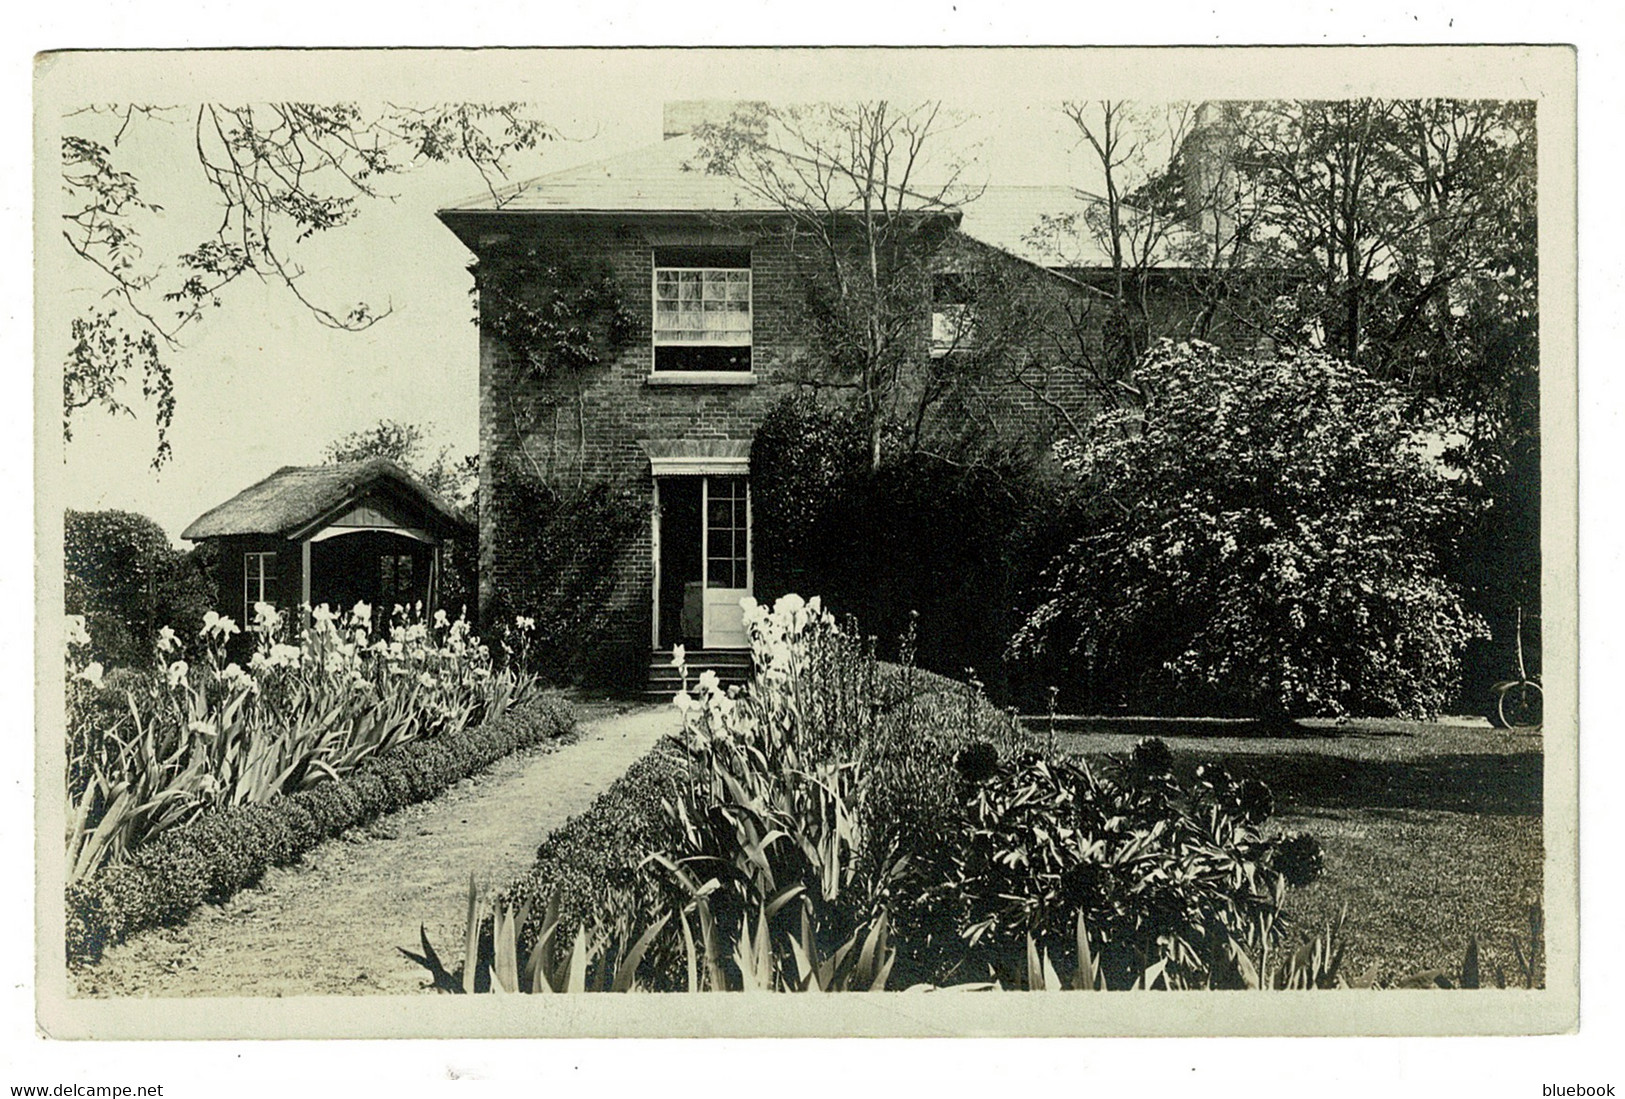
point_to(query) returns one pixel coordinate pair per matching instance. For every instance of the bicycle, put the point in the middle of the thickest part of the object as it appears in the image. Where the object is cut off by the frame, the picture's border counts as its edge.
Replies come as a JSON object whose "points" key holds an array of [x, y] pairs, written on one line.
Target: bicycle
{"points": [[1518, 702]]}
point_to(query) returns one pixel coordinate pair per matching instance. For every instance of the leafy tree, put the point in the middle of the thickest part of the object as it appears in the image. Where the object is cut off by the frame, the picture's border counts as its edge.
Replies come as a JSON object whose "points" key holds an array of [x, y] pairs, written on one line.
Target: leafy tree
{"points": [[123, 575], [1408, 225], [281, 173], [1261, 541], [449, 476]]}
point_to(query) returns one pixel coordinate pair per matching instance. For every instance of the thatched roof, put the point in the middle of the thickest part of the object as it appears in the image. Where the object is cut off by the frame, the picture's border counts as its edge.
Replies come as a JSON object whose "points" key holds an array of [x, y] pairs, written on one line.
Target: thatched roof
{"points": [[297, 497]]}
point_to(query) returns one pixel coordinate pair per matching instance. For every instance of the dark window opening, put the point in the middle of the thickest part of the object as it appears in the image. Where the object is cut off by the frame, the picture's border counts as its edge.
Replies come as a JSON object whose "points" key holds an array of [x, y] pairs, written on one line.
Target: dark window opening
{"points": [[701, 357], [953, 325]]}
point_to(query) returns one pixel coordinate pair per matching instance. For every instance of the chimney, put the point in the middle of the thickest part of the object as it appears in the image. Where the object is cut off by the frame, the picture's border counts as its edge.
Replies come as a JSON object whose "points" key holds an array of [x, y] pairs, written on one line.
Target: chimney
{"points": [[1210, 175], [683, 116]]}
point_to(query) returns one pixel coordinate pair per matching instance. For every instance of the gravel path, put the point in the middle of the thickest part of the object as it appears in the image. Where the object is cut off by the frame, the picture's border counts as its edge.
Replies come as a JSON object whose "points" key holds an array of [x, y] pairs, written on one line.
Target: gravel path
{"points": [[331, 924]]}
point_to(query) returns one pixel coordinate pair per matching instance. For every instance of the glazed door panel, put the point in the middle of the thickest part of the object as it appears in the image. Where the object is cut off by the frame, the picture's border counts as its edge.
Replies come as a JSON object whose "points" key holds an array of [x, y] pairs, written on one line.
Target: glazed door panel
{"points": [[725, 550]]}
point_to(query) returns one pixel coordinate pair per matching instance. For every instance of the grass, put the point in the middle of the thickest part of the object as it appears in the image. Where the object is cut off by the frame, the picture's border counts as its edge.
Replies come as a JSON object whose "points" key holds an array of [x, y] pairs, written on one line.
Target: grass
{"points": [[1431, 831], [1418, 883]]}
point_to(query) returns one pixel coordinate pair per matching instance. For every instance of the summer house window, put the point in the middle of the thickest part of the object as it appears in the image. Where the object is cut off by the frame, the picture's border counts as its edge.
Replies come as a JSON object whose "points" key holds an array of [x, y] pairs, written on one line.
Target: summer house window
{"points": [[395, 580], [953, 326], [702, 313], [259, 578]]}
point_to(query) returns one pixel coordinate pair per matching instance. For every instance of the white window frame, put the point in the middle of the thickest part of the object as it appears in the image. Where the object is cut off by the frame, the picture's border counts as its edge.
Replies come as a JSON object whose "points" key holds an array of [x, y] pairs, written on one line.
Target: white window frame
{"points": [[953, 328], [258, 577], [738, 558], [749, 335]]}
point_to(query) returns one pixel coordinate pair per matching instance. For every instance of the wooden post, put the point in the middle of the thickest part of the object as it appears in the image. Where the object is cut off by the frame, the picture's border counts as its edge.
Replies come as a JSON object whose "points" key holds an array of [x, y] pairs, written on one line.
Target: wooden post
{"points": [[304, 581], [705, 559], [433, 595], [654, 541]]}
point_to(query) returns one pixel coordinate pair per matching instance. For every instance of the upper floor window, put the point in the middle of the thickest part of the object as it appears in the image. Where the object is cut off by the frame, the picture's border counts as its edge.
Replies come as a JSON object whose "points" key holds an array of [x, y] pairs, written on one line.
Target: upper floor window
{"points": [[953, 326], [702, 314]]}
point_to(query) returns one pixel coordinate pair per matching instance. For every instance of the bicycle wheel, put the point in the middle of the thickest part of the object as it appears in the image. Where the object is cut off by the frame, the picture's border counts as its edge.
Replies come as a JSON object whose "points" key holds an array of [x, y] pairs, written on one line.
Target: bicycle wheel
{"points": [[1520, 705]]}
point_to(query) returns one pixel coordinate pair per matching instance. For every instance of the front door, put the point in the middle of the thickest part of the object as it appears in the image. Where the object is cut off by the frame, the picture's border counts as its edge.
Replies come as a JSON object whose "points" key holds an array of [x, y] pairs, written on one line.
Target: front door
{"points": [[702, 560], [726, 553]]}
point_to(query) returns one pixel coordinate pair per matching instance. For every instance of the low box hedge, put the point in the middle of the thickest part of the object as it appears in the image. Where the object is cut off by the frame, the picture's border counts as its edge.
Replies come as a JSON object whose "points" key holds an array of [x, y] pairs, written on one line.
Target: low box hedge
{"points": [[212, 857], [591, 863], [599, 851]]}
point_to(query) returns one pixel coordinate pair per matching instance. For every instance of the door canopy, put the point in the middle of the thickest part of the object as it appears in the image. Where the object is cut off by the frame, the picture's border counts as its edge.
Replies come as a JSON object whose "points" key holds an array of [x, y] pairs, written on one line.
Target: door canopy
{"points": [[690, 457]]}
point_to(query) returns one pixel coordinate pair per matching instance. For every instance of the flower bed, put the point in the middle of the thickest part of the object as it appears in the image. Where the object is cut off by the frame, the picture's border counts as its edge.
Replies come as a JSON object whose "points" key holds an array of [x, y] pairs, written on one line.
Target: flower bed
{"points": [[148, 751], [848, 825], [211, 857]]}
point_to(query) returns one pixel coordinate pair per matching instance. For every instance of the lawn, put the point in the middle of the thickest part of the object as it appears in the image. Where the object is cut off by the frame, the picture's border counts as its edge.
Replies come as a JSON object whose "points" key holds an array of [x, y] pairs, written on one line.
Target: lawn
{"points": [[1431, 831]]}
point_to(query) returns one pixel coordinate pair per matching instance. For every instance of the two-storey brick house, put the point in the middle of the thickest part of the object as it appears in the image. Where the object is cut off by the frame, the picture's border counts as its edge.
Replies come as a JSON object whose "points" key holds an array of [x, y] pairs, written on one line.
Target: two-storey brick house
{"points": [[719, 335]]}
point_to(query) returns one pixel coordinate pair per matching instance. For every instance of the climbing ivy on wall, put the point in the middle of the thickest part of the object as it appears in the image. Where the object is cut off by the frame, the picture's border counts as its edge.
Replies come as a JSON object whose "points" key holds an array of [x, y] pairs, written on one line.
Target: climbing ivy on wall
{"points": [[553, 309], [557, 314], [560, 556]]}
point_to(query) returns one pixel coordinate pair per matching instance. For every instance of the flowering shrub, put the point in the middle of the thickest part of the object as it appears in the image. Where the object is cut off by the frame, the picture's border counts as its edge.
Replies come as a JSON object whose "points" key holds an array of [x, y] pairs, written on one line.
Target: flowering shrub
{"points": [[1263, 542], [153, 750]]}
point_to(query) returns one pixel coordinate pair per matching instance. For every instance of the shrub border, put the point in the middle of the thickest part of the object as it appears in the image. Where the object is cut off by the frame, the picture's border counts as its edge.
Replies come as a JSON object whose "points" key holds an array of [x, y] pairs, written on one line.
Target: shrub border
{"points": [[209, 859]]}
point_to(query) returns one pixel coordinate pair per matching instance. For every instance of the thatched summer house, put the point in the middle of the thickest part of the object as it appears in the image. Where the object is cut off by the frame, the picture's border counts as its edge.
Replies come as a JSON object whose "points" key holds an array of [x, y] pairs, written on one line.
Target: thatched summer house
{"points": [[365, 532]]}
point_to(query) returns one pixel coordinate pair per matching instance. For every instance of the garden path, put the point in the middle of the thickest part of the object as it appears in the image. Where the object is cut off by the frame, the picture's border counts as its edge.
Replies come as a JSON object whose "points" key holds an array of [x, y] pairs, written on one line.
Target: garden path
{"points": [[332, 923]]}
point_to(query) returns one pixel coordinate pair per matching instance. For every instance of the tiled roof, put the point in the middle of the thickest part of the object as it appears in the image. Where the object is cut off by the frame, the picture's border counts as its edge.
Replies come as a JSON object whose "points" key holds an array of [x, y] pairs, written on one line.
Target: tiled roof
{"points": [[664, 177], [668, 177], [295, 496]]}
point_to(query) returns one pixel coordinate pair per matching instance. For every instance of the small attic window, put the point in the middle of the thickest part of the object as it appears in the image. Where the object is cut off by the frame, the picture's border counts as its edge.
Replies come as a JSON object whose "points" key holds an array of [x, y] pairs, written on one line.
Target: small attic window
{"points": [[702, 310], [952, 324]]}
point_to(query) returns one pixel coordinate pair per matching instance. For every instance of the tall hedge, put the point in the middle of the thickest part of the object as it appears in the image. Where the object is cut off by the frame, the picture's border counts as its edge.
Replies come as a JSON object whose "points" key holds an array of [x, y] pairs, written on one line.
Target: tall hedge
{"points": [[955, 543]]}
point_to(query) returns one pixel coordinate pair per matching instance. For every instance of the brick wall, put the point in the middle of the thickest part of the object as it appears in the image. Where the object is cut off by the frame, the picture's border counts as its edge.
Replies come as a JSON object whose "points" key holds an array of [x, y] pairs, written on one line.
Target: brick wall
{"points": [[584, 427]]}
